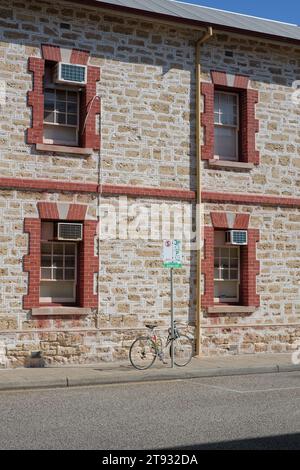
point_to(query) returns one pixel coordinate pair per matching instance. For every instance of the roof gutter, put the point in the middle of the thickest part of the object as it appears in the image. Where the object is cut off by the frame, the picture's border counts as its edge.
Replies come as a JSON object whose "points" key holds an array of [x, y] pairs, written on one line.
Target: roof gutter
{"points": [[185, 21]]}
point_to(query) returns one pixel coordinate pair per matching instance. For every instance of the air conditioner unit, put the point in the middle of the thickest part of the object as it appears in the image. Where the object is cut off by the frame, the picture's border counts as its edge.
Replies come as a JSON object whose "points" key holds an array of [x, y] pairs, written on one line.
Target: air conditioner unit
{"points": [[237, 237], [69, 232], [70, 73]]}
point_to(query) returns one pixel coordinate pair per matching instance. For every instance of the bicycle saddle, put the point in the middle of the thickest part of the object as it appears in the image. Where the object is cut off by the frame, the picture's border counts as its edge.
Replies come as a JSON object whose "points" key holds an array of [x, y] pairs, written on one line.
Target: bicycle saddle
{"points": [[150, 326]]}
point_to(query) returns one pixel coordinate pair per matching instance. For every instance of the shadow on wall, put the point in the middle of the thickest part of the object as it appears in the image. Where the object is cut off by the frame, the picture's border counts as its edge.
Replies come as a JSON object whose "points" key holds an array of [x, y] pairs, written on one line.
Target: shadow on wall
{"points": [[281, 442]]}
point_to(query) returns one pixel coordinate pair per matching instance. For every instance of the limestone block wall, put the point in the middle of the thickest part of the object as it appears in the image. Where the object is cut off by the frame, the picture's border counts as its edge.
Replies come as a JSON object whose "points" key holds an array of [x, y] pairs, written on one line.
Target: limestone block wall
{"points": [[272, 68], [146, 89], [278, 285], [134, 286]]}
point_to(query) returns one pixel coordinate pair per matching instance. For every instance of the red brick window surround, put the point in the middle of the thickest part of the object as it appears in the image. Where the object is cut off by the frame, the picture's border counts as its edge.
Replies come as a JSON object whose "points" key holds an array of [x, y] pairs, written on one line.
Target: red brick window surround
{"points": [[89, 106], [248, 124], [87, 261], [249, 266]]}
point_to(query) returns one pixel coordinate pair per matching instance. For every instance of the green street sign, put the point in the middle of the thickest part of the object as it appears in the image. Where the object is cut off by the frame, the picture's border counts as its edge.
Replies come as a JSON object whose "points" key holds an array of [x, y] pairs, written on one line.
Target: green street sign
{"points": [[172, 254]]}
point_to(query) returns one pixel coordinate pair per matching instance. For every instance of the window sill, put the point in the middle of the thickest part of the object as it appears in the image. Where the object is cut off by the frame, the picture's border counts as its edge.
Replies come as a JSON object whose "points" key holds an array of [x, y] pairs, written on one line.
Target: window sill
{"points": [[64, 149], [214, 163], [61, 311], [230, 309]]}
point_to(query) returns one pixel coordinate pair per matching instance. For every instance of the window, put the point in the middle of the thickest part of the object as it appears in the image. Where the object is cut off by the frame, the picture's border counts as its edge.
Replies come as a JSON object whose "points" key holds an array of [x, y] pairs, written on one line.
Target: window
{"points": [[61, 116], [61, 123], [226, 270], [226, 125], [229, 271], [228, 120], [58, 272], [69, 267], [61, 111]]}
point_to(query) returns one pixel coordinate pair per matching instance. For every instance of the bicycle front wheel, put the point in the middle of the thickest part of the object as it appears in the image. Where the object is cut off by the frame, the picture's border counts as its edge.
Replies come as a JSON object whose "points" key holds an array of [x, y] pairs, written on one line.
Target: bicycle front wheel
{"points": [[183, 350], [142, 353]]}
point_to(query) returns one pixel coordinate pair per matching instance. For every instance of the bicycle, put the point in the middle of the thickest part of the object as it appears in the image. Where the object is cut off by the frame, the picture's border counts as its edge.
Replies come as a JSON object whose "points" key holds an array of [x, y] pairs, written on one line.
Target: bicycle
{"points": [[145, 349]]}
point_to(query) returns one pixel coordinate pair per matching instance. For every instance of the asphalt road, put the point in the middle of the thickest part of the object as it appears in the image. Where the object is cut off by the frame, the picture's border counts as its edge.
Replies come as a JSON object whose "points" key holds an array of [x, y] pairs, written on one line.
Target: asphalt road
{"points": [[250, 412]]}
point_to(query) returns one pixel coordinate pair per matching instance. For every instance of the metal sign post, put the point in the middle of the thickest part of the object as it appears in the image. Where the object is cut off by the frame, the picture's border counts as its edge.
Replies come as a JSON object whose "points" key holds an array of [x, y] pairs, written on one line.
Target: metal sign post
{"points": [[172, 257], [172, 318]]}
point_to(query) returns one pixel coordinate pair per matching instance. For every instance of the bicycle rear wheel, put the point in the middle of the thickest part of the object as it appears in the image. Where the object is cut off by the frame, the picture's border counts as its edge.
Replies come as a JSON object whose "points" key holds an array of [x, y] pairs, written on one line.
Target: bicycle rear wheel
{"points": [[142, 353], [183, 350]]}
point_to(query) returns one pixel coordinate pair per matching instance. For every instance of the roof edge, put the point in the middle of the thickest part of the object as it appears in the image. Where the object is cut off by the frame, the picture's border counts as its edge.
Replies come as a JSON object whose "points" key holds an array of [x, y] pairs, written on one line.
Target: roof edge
{"points": [[236, 13], [176, 19]]}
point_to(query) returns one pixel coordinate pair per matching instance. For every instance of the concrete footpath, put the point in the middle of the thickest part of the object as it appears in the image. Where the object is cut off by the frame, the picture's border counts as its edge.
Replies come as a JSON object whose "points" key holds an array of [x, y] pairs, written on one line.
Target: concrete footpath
{"points": [[123, 372]]}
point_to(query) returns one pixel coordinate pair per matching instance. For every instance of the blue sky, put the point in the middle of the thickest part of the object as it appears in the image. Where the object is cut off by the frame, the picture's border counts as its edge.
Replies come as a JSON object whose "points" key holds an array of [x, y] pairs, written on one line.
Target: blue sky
{"points": [[283, 10]]}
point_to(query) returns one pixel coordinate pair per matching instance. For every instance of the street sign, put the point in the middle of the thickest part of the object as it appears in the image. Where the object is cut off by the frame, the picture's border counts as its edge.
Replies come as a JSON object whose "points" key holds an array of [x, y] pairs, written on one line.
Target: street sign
{"points": [[172, 258], [172, 254]]}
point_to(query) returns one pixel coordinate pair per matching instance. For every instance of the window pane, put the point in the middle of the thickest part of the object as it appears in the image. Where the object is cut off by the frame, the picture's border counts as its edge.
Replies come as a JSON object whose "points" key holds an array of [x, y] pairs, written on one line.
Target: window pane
{"points": [[58, 248], [69, 249], [46, 261], [60, 118], [49, 105], [48, 116], [49, 94], [46, 273], [234, 262], [58, 261], [70, 261], [46, 248], [218, 97], [217, 106], [72, 120], [72, 96], [58, 274], [217, 118], [72, 108], [225, 252], [234, 274], [225, 109], [225, 290], [226, 142], [225, 274], [70, 274], [61, 95], [61, 106], [234, 252], [216, 274], [225, 263]]}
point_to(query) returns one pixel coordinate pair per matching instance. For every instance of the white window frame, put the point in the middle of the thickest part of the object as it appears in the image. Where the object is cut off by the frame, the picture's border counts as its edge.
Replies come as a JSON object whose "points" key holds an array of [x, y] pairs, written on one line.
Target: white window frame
{"points": [[55, 124], [64, 268], [236, 127], [220, 268]]}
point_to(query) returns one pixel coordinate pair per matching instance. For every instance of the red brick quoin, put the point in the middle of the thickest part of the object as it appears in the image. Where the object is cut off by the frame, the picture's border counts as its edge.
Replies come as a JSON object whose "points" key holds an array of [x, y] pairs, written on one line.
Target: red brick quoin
{"points": [[32, 263], [249, 125], [35, 99], [250, 267], [87, 261], [89, 106]]}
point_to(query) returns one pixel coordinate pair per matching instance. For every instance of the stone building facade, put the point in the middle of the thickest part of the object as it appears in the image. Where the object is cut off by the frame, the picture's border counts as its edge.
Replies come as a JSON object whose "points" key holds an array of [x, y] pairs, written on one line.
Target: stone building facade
{"points": [[137, 162]]}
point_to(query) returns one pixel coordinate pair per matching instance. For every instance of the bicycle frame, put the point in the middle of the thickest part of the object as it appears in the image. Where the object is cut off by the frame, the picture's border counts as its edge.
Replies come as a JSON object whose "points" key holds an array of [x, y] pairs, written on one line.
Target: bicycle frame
{"points": [[157, 341], [159, 345]]}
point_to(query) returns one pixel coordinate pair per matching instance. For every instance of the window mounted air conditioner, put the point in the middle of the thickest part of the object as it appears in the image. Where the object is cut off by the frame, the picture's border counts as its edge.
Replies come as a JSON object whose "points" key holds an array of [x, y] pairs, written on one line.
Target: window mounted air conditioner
{"points": [[69, 232], [70, 73], [236, 237]]}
